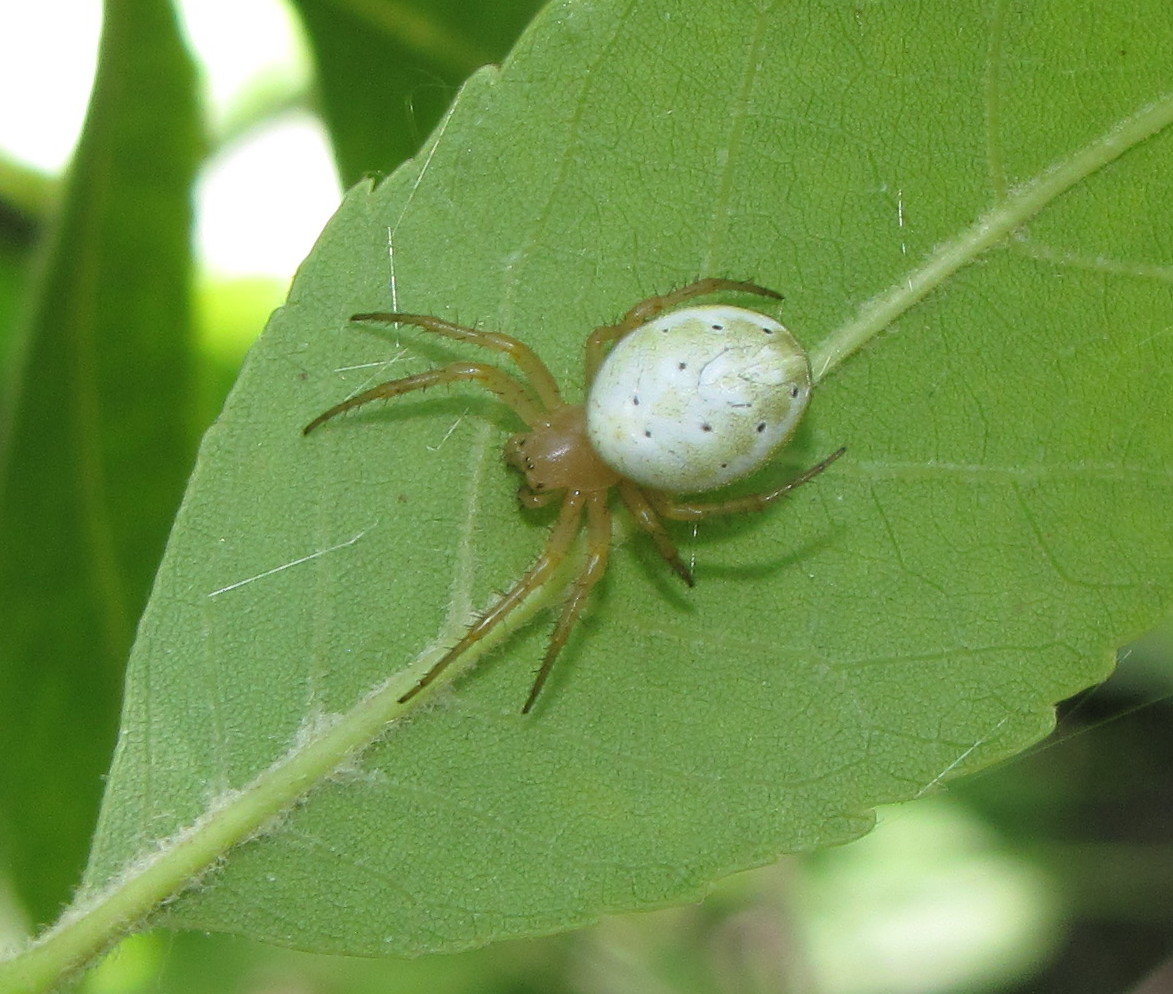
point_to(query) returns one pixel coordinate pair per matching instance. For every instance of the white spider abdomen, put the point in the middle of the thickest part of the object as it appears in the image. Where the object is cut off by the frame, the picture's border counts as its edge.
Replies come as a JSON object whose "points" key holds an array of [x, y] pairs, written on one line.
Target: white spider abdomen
{"points": [[697, 398]]}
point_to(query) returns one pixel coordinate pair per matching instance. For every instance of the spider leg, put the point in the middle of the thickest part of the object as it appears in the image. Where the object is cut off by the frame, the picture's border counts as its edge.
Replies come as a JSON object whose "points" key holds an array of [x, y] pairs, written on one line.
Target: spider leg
{"points": [[645, 310], [492, 378], [598, 546], [690, 511], [559, 542], [539, 377], [646, 517]]}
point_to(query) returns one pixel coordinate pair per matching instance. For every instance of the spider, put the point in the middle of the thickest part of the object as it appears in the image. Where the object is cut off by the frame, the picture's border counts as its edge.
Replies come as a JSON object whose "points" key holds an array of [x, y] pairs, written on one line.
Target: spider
{"points": [[678, 401]]}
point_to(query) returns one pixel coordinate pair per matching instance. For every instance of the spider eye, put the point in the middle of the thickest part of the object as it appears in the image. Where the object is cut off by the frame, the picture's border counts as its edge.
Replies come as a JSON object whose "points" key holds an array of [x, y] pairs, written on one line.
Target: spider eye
{"points": [[697, 398]]}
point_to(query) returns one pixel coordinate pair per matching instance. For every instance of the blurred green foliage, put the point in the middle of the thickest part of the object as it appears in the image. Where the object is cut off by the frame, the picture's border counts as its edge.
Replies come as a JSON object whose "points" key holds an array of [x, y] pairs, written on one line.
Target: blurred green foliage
{"points": [[96, 443]]}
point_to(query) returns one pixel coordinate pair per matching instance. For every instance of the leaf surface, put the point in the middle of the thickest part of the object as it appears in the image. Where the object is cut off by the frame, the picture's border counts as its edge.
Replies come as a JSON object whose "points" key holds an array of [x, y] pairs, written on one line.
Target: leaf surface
{"points": [[997, 528]]}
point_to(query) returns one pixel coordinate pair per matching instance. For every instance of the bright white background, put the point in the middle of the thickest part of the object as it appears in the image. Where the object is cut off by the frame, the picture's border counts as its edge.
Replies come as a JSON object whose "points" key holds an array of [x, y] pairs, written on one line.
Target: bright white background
{"points": [[263, 199]]}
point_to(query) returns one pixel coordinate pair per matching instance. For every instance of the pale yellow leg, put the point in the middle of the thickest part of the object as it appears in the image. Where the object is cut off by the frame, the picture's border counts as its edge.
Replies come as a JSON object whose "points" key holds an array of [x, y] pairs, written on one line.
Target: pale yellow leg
{"points": [[560, 540], [647, 309], [598, 543], [646, 517], [490, 377], [539, 377], [691, 511]]}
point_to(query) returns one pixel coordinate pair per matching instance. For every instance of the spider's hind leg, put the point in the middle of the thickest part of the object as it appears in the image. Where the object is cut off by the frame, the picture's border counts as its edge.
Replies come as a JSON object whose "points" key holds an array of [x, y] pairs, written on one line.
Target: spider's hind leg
{"points": [[693, 511], [645, 310]]}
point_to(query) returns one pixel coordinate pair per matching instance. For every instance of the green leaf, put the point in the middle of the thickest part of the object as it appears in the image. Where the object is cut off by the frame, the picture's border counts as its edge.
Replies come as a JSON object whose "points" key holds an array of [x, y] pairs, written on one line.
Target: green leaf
{"points": [[95, 442], [998, 526]]}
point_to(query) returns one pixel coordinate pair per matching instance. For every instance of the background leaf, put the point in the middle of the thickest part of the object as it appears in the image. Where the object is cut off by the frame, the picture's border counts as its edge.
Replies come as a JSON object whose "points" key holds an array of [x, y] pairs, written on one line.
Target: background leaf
{"points": [[998, 527], [95, 445], [386, 71]]}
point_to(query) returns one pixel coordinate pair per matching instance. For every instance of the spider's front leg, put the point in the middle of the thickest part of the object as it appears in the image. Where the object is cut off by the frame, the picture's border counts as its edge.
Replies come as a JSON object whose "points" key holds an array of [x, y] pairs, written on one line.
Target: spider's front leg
{"points": [[490, 377], [539, 377]]}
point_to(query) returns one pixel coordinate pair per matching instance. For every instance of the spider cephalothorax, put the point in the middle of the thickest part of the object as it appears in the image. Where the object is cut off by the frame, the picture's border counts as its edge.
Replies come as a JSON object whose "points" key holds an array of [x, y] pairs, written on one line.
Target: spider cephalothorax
{"points": [[684, 401]]}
